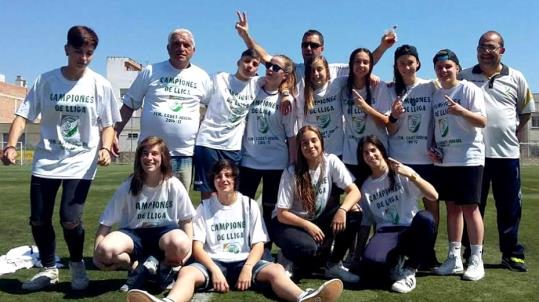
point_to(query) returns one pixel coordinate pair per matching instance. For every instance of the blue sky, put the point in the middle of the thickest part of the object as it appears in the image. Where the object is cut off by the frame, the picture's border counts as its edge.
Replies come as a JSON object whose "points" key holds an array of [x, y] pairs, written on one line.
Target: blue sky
{"points": [[32, 33]]}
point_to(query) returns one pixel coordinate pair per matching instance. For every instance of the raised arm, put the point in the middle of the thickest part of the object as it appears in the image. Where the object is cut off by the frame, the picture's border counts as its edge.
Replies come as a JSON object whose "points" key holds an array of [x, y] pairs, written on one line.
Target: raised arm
{"points": [[242, 26], [386, 42], [424, 186], [474, 118], [380, 118]]}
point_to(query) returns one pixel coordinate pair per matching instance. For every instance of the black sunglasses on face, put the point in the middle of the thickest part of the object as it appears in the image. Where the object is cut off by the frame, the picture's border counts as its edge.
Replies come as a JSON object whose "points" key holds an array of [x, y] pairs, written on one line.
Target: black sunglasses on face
{"points": [[273, 67], [313, 45]]}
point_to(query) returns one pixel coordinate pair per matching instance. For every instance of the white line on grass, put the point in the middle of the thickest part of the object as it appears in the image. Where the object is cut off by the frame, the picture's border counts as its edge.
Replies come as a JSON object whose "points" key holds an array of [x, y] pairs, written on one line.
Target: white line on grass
{"points": [[202, 297]]}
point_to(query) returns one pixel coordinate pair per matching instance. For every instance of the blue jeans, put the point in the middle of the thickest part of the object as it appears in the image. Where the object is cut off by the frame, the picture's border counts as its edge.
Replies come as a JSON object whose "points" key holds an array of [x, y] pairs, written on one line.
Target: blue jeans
{"points": [[182, 167]]}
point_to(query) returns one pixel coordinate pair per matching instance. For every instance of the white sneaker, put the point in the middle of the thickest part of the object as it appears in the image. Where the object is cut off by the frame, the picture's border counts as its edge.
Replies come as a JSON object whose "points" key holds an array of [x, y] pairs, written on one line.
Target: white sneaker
{"points": [[475, 270], [79, 278], [46, 277], [407, 283], [137, 295], [337, 270], [452, 265], [330, 291], [286, 263]]}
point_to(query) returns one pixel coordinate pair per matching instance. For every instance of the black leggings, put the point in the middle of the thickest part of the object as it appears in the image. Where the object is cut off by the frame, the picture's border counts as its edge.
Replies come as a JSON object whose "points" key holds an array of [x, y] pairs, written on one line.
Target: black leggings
{"points": [[42, 197]]}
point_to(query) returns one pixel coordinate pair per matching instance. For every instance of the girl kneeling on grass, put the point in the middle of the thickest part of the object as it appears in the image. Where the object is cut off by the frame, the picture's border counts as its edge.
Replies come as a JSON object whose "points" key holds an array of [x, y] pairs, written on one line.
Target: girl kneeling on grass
{"points": [[154, 213], [229, 237], [389, 201], [306, 218]]}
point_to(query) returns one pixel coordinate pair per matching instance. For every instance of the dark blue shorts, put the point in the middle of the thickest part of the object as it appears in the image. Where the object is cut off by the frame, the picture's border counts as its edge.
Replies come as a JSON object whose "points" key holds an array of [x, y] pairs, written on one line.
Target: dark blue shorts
{"points": [[231, 271], [205, 159], [146, 240]]}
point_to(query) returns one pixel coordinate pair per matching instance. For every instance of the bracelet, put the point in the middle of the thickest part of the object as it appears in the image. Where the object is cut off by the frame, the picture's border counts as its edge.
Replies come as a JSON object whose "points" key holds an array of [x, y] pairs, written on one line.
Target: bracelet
{"points": [[413, 177], [392, 119], [104, 148], [8, 147], [341, 208]]}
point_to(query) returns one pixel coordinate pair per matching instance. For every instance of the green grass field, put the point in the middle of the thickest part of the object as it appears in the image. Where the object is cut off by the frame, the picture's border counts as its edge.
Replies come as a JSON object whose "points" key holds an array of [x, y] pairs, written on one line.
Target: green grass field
{"points": [[498, 285]]}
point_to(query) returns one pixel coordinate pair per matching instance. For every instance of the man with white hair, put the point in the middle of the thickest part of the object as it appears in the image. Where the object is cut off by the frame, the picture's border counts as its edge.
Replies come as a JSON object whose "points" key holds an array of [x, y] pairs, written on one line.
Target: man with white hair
{"points": [[170, 94]]}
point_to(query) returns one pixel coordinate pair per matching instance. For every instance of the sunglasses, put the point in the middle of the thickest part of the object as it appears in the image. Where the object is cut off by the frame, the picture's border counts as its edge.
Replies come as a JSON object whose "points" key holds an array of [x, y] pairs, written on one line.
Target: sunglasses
{"points": [[273, 67], [312, 45]]}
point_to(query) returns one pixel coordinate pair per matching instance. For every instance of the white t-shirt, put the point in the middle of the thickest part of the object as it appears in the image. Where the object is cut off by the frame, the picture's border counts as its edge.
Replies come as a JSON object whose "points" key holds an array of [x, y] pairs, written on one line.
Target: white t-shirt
{"points": [[413, 138], [358, 123], [507, 95], [326, 114], [224, 122], [386, 206], [228, 232], [264, 144], [72, 113], [171, 101], [165, 204], [334, 173], [461, 142]]}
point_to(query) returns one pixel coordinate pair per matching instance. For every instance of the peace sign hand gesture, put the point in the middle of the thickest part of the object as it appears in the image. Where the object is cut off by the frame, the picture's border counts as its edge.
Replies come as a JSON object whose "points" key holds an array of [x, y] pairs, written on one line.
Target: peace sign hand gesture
{"points": [[242, 26]]}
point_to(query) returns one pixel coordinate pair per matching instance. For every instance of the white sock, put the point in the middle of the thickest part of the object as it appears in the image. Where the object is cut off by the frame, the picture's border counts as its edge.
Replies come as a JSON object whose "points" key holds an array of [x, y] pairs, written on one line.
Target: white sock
{"points": [[454, 248], [476, 250]]}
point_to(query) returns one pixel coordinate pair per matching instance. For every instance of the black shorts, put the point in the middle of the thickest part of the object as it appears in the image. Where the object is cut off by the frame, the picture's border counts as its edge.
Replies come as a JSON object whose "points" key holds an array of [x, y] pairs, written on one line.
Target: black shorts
{"points": [[461, 184]]}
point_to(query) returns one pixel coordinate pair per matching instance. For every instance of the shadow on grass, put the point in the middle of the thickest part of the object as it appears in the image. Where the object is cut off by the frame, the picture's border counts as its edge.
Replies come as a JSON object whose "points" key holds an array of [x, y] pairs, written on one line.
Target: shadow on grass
{"points": [[96, 288]]}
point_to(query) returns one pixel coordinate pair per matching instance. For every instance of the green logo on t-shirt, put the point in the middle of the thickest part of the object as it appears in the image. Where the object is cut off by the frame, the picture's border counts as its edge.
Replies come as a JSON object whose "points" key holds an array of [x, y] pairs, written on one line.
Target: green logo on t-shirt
{"points": [[359, 124], [262, 124], [231, 248], [176, 106], [414, 121], [323, 120], [443, 126], [70, 127]]}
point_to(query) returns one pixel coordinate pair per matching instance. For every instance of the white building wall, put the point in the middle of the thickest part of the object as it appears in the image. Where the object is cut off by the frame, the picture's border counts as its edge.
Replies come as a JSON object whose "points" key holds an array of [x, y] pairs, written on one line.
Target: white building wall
{"points": [[121, 79]]}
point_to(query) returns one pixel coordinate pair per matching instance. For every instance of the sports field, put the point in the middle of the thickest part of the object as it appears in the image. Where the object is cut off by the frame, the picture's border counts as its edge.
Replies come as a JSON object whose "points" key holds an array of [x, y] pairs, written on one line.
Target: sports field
{"points": [[498, 285]]}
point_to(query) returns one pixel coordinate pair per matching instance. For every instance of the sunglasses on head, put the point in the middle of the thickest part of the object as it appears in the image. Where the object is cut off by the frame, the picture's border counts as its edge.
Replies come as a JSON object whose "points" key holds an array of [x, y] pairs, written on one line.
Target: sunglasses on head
{"points": [[312, 45], [273, 67]]}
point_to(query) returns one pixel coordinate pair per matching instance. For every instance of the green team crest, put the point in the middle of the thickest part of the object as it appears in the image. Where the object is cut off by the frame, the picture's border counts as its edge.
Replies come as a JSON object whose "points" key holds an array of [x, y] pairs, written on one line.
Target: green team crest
{"points": [[262, 124], [443, 127], [70, 128], [359, 124], [176, 105], [231, 248], [392, 214], [323, 121], [414, 122]]}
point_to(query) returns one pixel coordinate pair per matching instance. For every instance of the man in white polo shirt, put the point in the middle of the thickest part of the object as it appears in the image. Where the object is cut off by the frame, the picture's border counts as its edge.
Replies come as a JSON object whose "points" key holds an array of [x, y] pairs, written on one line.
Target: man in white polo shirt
{"points": [[509, 104]]}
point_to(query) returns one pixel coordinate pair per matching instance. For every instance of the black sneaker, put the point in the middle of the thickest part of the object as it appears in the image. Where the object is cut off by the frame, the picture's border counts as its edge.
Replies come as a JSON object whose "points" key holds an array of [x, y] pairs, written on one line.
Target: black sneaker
{"points": [[515, 264], [166, 276], [135, 279]]}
